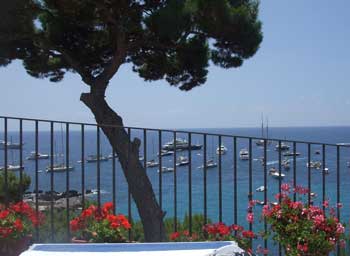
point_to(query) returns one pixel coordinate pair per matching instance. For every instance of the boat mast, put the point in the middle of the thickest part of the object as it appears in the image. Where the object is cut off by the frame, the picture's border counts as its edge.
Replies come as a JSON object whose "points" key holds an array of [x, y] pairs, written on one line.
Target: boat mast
{"points": [[267, 127], [262, 125]]}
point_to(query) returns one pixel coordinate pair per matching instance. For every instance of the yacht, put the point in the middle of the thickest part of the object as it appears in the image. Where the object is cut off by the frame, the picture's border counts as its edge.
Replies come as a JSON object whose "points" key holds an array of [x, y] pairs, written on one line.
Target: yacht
{"points": [[11, 167], [10, 145], [182, 161], [94, 158], [59, 168], [180, 144], [275, 173], [33, 156], [244, 154], [166, 152], [221, 150], [152, 163], [283, 147], [261, 189], [210, 164], [288, 153], [166, 169]]}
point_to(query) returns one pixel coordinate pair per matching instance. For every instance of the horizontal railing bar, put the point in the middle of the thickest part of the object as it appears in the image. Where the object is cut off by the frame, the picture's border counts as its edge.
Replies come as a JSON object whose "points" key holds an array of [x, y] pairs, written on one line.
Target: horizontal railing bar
{"points": [[180, 131]]}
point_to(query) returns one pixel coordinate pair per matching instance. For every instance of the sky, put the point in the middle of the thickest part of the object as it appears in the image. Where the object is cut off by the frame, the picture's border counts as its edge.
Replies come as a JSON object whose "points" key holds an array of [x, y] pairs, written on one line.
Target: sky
{"points": [[299, 77]]}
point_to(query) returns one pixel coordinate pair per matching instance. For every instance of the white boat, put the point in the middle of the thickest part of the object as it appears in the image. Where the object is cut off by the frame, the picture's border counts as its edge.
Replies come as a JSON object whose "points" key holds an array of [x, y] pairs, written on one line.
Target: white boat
{"points": [[210, 164], [244, 154], [326, 170], [59, 168], [11, 167], [275, 173], [221, 150], [348, 164], [283, 147], [261, 189], [182, 161], [286, 164], [34, 156], [94, 158], [166, 152], [152, 163], [180, 144], [166, 169]]}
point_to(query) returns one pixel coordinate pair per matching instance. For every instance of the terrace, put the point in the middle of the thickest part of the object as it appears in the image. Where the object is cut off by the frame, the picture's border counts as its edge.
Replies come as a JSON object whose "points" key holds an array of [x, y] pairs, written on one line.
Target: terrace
{"points": [[190, 193]]}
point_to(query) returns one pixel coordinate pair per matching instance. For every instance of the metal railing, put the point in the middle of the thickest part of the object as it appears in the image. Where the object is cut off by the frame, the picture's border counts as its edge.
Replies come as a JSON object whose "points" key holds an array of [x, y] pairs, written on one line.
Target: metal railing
{"points": [[187, 187]]}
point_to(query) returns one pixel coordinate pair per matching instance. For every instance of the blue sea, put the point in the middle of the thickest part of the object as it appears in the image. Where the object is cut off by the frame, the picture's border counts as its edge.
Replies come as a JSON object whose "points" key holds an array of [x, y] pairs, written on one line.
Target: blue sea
{"points": [[313, 134]]}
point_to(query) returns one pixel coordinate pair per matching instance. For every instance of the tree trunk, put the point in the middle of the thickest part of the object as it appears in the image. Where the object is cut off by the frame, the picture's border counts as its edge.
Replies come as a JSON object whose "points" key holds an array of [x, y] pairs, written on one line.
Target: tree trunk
{"points": [[135, 174]]}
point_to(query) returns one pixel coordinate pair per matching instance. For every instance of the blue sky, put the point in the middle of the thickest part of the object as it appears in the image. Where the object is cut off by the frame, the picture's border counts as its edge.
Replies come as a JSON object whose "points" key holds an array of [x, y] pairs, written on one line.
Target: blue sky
{"points": [[299, 77]]}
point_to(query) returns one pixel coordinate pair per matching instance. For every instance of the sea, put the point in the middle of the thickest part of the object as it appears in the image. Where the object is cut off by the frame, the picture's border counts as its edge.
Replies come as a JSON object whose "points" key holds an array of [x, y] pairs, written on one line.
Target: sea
{"points": [[330, 135]]}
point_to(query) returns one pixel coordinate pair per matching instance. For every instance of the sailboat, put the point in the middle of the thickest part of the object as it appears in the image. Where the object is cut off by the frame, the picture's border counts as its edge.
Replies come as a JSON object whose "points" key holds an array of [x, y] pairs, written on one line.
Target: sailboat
{"points": [[60, 167], [9, 145], [260, 143]]}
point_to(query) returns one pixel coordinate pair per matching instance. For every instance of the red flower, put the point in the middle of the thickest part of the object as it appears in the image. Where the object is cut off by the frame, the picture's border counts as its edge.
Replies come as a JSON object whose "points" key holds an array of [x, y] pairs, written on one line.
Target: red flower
{"points": [[174, 236], [4, 214], [18, 225], [74, 225], [248, 234]]}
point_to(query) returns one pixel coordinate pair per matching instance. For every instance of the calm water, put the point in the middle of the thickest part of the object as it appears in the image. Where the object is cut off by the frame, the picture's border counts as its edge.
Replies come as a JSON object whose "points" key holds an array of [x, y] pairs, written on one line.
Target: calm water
{"points": [[325, 134]]}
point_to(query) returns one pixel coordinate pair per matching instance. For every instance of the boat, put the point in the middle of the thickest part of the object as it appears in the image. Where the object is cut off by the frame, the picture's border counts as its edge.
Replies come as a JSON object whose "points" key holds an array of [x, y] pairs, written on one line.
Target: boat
{"points": [[221, 150], [166, 152], [326, 170], [274, 173], [166, 169], [11, 167], [10, 145], [180, 144], [210, 164], [244, 154], [261, 142], [33, 156], [315, 165], [283, 147], [286, 164], [182, 161], [94, 158], [261, 189], [152, 163], [59, 168], [348, 164], [288, 153], [317, 152]]}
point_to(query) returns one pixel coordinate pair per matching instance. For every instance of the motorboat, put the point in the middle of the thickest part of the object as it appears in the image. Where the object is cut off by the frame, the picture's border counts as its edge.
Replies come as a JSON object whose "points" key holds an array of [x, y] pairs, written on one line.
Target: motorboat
{"points": [[59, 168], [282, 147], [244, 154], [314, 165], [326, 170], [180, 144], [166, 169], [33, 156], [152, 163], [210, 164], [182, 161], [166, 152], [94, 158], [11, 167], [286, 164], [317, 152], [275, 173], [261, 189], [221, 150], [288, 153]]}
